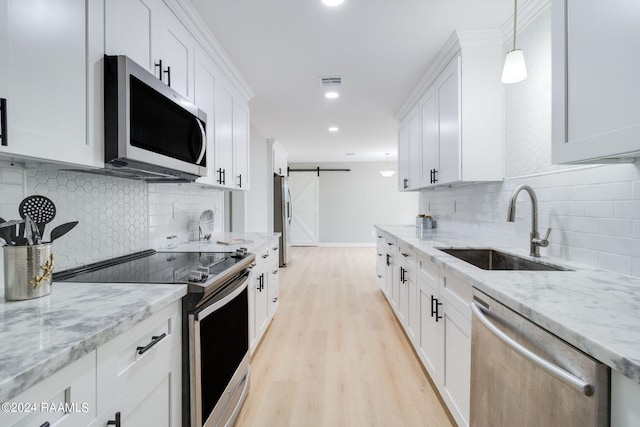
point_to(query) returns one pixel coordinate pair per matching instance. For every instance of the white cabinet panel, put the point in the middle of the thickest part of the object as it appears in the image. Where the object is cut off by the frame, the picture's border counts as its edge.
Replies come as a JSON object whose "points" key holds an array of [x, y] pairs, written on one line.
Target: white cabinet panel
{"points": [[177, 47], [48, 51], [241, 146], [73, 386], [205, 72], [224, 135], [448, 107], [429, 137], [131, 30], [596, 90]]}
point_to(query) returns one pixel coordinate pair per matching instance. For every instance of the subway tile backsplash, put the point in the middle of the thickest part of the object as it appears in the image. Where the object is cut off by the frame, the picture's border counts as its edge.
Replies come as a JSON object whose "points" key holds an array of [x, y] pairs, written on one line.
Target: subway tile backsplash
{"points": [[594, 212], [116, 216]]}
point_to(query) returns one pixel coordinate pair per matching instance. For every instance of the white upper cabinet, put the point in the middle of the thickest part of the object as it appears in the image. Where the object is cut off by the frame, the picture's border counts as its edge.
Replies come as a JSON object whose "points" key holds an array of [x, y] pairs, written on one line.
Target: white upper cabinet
{"points": [[177, 47], [241, 146], [149, 32], [459, 109], [596, 90], [50, 81], [224, 135], [205, 72]]}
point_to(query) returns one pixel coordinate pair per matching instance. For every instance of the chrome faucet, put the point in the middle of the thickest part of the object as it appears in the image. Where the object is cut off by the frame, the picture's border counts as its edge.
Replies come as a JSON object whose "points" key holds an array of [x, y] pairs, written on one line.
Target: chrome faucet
{"points": [[536, 241]]}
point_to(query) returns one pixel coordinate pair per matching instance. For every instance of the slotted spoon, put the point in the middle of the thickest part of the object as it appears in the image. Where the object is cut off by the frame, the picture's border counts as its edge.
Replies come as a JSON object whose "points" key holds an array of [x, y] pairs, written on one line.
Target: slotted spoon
{"points": [[41, 210]]}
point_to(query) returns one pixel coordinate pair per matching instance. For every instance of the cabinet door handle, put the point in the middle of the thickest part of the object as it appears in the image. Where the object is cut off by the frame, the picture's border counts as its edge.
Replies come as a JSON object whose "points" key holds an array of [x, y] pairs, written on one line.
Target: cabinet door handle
{"points": [[168, 73], [219, 172], [388, 260], [240, 180], [154, 340], [224, 176], [435, 310], [275, 299], [405, 183], [115, 422], [46, 424], [435, 176], [3, 121], [159, 65]]}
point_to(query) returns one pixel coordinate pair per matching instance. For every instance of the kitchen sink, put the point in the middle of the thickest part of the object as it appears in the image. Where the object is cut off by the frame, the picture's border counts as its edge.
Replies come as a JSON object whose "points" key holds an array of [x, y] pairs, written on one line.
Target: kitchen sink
{"points": [[491, 259]]}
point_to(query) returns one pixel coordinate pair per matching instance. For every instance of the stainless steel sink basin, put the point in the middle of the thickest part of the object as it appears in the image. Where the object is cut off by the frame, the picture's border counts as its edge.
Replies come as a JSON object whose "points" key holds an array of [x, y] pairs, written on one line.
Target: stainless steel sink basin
{"points": [[491, 259]]}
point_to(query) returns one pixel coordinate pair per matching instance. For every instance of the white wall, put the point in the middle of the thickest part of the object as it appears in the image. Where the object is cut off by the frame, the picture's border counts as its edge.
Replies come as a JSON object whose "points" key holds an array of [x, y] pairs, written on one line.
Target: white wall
{"points": [[594, 211], [352, 202]]}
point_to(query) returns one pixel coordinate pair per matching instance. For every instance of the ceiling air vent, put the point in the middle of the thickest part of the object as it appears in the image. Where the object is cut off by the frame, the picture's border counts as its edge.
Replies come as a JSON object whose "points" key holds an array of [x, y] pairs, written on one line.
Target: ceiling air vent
{"points": [[330, 81]]}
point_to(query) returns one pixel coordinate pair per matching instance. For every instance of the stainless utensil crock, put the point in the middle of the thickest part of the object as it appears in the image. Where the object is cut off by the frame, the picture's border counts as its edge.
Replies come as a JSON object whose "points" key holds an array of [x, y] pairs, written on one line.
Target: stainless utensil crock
{"points": [[27, 271]]}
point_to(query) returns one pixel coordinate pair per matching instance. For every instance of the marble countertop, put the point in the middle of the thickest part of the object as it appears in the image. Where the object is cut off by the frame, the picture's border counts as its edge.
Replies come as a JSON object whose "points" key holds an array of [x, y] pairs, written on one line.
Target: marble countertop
{"points": [[251, 241], [41, 336], [595, 310]]}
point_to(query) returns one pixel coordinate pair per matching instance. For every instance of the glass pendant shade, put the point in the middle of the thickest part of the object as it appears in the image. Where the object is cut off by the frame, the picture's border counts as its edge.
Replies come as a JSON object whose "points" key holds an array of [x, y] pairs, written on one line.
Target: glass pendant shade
{"points": [[515, 69]]}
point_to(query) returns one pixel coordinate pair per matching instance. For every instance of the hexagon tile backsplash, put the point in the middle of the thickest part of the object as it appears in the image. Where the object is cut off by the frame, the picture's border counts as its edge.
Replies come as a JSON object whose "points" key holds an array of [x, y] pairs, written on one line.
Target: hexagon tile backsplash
{"points": [[112, 214], [116, 216]]}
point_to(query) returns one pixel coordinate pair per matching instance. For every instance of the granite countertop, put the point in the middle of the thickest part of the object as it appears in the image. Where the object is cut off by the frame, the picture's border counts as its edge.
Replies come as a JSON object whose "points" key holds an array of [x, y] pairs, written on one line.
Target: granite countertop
{"points": [[251, 241], [595, 310], [41, 336]]}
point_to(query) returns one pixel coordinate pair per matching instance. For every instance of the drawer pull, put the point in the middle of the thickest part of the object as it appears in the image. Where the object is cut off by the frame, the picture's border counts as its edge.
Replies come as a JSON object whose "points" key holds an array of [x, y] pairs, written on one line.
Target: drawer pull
{"points": [[46, 424], [265, 255], [154, 340], [115, 422]]}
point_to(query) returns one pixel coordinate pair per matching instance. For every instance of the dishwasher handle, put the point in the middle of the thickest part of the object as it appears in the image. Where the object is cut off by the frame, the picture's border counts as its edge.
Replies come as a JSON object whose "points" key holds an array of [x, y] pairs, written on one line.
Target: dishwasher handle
{"points": [[547, 366]]}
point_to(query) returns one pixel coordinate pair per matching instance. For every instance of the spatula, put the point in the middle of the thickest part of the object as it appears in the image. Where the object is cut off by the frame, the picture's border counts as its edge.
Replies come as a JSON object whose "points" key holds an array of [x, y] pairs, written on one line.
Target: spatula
{"points": [[62, 229]]}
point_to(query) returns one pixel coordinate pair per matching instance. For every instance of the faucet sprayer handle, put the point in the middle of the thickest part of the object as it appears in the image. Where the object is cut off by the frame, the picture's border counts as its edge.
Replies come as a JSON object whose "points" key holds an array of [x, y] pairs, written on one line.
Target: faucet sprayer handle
{"points": [[545, 241]]}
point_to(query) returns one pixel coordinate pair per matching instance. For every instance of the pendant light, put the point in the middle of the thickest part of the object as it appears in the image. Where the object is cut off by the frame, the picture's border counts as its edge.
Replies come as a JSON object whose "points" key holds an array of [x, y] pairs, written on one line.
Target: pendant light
{"points": [[388, 172], [515, 70]]}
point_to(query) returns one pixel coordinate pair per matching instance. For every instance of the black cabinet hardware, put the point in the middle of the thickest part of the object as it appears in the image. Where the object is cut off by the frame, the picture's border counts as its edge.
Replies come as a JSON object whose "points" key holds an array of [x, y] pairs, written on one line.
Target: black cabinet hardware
{"points": [[403, 271], [274, 272], [240, 181], [404, 255], [3, 121], [159, 65], [265, 255], [154, 340], [46, 424], [435, 308], [115, 422], [168, 73], [261, 282], [275, 299], [433, 176], [405, 183], [388, 260]]}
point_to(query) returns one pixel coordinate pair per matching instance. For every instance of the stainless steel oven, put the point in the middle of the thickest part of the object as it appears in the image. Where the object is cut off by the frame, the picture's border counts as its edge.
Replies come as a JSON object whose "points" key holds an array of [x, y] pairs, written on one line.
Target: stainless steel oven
{"points": [[215, 351], [219, 355]]}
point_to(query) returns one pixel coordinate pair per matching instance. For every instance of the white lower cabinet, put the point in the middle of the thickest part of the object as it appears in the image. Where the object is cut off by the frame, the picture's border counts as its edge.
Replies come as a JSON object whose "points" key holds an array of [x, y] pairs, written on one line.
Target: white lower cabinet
{"points": [[139, 373], [72, 388], [136, 377], [625, 395], [433, 307], [264, 283]]}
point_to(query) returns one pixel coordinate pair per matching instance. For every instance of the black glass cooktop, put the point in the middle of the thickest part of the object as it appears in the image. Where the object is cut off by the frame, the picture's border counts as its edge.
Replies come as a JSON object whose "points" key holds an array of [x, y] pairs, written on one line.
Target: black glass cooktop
{"points": [[150, 267]]}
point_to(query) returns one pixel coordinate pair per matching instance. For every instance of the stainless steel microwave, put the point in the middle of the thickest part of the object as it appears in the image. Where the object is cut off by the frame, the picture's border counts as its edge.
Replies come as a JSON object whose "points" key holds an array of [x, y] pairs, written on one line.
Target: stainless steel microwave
{"points": [[151, 131]]}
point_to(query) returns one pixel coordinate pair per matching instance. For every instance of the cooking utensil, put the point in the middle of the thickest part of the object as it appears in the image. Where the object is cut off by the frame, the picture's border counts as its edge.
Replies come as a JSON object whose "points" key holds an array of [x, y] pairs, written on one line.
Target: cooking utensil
{"points": [[41, 210], [61, 230], [31, 231], [5, 232], [206, 224], [8, 231]]}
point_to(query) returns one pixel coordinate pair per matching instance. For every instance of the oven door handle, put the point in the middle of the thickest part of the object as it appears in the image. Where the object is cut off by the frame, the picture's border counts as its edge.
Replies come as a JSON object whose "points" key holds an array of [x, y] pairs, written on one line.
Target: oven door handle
{"points": [[238, 286], [547, 366]]}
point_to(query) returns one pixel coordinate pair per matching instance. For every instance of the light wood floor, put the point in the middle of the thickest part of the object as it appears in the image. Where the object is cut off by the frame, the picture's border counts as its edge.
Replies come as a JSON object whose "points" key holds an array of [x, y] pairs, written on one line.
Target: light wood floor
{"points": [[334, 354]]}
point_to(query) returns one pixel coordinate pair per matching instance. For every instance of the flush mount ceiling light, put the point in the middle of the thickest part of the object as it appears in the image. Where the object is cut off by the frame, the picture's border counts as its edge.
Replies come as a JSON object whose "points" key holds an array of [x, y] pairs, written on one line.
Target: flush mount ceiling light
{"points": [[388, 172], [332, 3], [515, 69], [331, 95], [333, 129]]}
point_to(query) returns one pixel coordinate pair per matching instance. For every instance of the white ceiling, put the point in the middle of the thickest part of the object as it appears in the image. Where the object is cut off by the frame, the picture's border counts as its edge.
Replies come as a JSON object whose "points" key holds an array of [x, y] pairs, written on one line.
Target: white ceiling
{"points": [[381, 48]]}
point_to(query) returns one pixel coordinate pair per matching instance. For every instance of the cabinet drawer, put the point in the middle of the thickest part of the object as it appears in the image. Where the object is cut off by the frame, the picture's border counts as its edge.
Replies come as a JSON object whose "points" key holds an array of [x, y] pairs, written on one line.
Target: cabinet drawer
{"points": [[263, 254], [457, 292], [120, 363], [428, 271], [72, 388]]}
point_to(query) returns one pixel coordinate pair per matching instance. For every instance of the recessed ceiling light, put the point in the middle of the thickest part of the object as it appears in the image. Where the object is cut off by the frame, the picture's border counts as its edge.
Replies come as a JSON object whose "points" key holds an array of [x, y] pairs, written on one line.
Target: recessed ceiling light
{"points": [[349, 154], [333, 129], [332, 2], [331, 95]]}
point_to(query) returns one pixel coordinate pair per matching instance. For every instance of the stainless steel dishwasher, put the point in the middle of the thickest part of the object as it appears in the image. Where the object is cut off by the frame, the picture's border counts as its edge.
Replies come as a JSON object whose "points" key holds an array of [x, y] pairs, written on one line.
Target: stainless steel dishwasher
{"points": [[522, 375]]}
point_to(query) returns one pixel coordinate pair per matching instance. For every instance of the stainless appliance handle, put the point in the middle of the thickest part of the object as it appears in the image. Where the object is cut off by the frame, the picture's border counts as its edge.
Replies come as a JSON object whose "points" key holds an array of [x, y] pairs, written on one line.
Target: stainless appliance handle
{"points": [[3, 121], [545, 365], [240, 285], [245, 390], [203, 150], [289, 207]]}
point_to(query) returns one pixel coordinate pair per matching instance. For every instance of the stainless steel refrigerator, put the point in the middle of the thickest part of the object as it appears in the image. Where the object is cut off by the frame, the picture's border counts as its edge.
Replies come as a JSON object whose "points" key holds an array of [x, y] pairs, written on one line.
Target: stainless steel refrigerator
{"points": [[282, 214]]}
